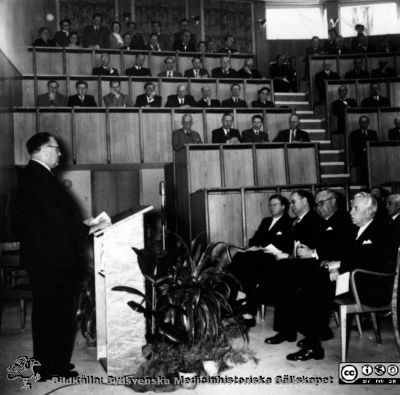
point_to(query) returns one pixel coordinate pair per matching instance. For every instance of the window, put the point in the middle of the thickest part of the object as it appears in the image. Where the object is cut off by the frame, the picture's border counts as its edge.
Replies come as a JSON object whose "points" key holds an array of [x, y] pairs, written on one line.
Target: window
{"points": [[379, 18], [295, 23]]}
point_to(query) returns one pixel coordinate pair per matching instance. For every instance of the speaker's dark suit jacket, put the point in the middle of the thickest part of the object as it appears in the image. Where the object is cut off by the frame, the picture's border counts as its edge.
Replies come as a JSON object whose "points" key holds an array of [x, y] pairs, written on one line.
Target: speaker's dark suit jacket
{"points": [[190, 73], [219, 73], [338, 107], [394, 134], [259, 103], [104, 71], [371, 102], [249, 136], [242, 73], [141, 101], [218, 135], [353, 74], [231, 103], [358, 144], [87, 102], [283, 136], [203, 103], [142, 72], [92, 37], [173, 101]]}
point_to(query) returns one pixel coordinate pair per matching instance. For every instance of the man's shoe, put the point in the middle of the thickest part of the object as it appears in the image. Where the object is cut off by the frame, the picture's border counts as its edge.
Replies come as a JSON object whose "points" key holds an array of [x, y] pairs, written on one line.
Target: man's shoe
{"points": [[66, 374], [307, 353], [279, 338]]}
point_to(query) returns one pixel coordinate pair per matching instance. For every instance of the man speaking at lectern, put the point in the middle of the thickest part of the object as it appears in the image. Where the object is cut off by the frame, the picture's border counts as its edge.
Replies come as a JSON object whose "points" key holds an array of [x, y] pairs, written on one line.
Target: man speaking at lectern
{"points": [[52, 237]]}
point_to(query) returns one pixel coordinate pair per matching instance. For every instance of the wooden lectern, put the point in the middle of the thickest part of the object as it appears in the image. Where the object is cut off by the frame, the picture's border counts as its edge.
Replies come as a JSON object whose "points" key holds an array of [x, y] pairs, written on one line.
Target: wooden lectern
{"points": [[120, 330]]}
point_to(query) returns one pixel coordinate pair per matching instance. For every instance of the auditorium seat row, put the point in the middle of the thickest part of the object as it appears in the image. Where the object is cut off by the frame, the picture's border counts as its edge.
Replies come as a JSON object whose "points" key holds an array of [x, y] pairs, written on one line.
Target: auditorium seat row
{"points": [[58, 61], [118, 135], [134, 86]]}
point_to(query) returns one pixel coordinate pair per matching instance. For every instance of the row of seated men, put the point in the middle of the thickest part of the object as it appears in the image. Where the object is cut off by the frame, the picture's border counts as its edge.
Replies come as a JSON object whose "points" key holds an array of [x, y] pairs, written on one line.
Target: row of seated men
{"points": [[115, 98], [196, 71], [296, 262], [383, 71], [226, 134], [98, 36]]}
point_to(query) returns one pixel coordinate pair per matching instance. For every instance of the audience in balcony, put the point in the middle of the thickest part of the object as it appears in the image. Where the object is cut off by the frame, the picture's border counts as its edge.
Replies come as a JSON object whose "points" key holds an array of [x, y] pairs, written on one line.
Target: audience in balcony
{"points": [[384, 71], [149, 98], [206, 100], [358, 150], [282, 75], [181, 99], [315, 48], [375, 99], [169, 71], [202, 47], [248, 70], [262, 101], [256, 134], [127, 39], [52, 98], [185, 135], [44, 39], [294, 133], [137, 37], [116, 98], [358, 71], [197, 70], [163, 39], [116, 41], [105, 68], [330, 44], [138, 70], [364, 46], [184, 44], [386, 46], [358, 44], [95, 35], [81, 99], [339, 48], [394, 134], [229, 42], [324, 75], [226, 134], [225, 70], [234, 101], [73, 40], [154, 45], [339, 106], [184, 25], [61, 37]]}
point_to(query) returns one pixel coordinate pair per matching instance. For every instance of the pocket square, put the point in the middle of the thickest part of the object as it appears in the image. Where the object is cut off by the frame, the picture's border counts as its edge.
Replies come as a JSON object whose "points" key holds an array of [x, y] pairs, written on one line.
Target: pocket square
{"points": [[367, 242], [330, 228], [279, 233]]}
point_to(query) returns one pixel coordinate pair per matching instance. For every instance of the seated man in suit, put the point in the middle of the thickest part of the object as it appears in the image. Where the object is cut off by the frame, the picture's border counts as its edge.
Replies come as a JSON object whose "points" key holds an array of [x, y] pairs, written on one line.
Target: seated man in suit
{"points": [[61, 37], [115, 98], [206, 100], [262, 101], [255, 134], [137, 37], [185, 135], [96, 36], [226, 134], [235, 100], [127, 39], [184, 25], [138, 70], [105, 68], [248, 70], [321, 77], [384, 71], [163, 38], [393, 210], [303, 289], [394, 134], [184, 44], [81, 99], [225, 70], [339, 106], [52, 97], [169, 71], [376, 99], [358, 150], [148, 99], [197, 70], [293, 133], [229, 42], [181, 99], [154, 45], [254, 266], [358, 72], [282, 75]]}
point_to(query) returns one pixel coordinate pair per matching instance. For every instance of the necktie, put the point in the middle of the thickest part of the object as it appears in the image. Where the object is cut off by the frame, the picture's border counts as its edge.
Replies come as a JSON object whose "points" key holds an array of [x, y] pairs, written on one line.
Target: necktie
{"points": [[180, 101], [235, 100], [195, 73], [81, 98], [169, 74]]}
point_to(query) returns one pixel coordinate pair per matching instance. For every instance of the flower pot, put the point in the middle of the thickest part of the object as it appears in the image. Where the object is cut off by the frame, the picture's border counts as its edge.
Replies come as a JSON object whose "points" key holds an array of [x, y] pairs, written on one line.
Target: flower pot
{"points": [[211, 367], [188, 380]]}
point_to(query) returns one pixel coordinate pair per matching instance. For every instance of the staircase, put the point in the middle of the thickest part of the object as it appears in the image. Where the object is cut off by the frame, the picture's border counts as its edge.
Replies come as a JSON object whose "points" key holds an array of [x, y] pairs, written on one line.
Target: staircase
{"points": [[332, 161]]}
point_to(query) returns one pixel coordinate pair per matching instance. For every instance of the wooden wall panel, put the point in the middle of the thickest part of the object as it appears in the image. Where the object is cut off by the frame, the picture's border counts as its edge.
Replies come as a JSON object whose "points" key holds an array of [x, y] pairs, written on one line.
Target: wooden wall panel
{"points": [[204, 169], [197, 83], [91, 144], [276, 122], [211, 63], [238, 166], [394, 88], [124, 137], [79, 63], [150, 187], [225, 90], [28, 93], [24, 128], [302, 165], [382, 163], [387, 122], [49, 63], [213, 121], [271, 166], [184, 62]]}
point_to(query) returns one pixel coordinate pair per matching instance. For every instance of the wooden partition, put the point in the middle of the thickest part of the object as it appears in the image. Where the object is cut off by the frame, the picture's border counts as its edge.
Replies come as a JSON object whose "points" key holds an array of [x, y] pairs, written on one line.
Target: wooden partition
{"points": [[383, 162], [232, 215], [244, 165]]}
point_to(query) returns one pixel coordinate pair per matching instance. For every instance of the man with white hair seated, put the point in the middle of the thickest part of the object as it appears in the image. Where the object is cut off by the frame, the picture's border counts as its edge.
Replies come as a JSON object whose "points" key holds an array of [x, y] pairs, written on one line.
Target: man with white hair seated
{"points": [[181, 99]]}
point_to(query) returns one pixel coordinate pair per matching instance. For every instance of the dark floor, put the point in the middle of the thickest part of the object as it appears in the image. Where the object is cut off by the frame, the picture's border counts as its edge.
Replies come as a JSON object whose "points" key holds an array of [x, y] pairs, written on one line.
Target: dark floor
{"points": [[15, 342]]}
